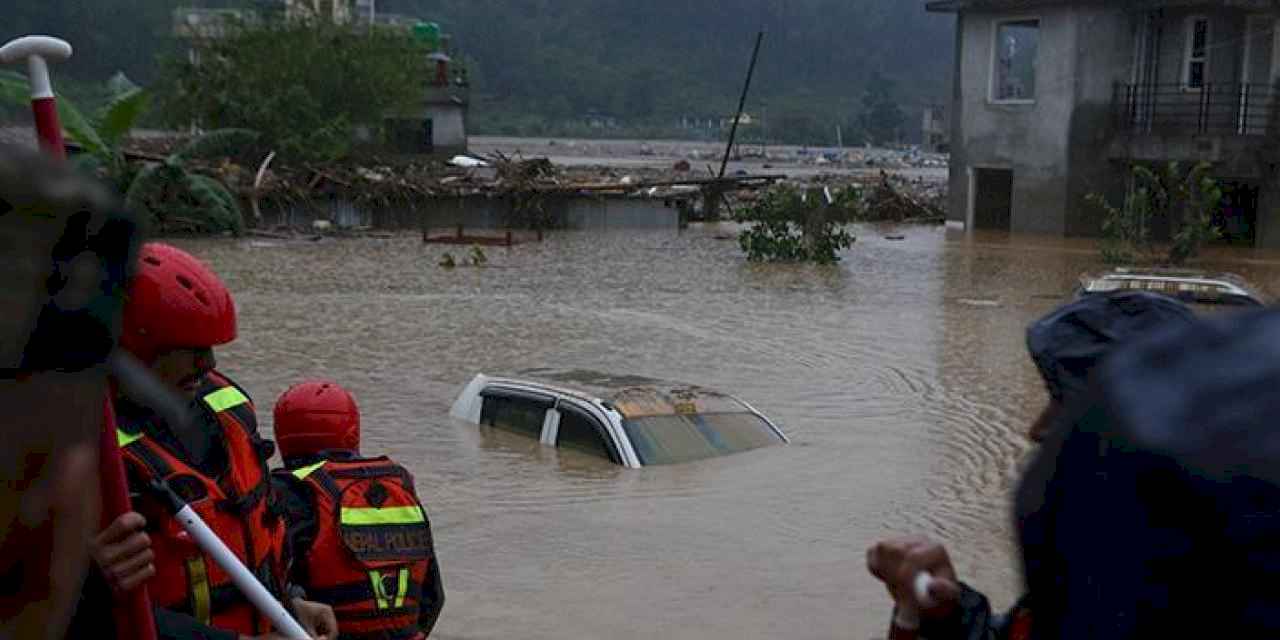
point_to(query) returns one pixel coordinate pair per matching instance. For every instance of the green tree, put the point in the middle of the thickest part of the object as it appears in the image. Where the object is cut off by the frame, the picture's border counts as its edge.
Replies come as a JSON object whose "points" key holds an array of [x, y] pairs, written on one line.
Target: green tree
{"points": [[1199, 197], [882, 119], [1187, 200], [322, 80]]}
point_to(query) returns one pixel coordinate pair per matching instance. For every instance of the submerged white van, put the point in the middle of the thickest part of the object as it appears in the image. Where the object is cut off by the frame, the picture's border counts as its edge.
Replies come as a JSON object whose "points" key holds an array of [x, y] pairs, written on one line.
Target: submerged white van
{"points": [[634, 422]]}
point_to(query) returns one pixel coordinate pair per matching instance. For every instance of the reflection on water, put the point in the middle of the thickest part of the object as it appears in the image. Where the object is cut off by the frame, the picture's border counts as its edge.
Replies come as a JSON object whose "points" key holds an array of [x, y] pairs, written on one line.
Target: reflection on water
{"points": [[899, 375]]}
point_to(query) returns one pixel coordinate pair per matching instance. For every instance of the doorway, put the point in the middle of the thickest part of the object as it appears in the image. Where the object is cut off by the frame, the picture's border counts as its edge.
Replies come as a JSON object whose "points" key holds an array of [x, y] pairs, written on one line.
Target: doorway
{"points": [[993, 199], [1238, 217]]}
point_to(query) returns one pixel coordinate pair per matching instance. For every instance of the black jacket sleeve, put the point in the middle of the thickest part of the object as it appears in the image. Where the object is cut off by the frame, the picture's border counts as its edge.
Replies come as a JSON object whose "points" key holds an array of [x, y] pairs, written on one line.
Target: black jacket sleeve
{"points": [[171, 625], [973, 620], [432, 593], [294, 500], [93, 617]]}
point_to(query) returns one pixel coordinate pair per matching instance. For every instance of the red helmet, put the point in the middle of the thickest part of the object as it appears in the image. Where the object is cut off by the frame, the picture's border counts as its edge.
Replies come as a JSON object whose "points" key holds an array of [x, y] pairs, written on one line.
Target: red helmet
{"points": [[175, 302], [316, 416]]}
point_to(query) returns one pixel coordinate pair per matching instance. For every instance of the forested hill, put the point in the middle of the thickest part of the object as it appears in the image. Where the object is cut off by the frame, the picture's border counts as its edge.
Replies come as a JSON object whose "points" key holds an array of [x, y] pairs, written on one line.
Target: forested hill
{"points": [[538, 66]]}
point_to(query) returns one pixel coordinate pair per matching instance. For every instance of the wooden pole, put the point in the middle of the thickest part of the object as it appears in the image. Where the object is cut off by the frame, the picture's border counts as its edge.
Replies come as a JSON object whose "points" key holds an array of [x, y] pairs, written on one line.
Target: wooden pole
{"points": [[742, 103]]}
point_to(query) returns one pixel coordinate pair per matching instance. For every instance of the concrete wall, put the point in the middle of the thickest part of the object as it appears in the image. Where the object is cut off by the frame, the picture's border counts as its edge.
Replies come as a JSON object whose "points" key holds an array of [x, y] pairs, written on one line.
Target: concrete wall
{"points": [[1262, 43], [1030, 139], [448, 127], [1269, 215], [479, 212], [1104, 55], [1176, 111], [1226, 38]]}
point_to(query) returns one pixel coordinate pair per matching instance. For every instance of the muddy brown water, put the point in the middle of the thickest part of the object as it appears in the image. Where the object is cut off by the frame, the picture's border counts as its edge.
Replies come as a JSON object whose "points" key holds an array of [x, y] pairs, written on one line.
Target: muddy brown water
{"points": [[900, 375]]}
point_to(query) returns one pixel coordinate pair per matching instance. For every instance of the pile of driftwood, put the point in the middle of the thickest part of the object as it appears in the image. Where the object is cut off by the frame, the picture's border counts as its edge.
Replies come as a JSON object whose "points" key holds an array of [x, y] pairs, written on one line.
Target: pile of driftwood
{"points": [[884, 202]]}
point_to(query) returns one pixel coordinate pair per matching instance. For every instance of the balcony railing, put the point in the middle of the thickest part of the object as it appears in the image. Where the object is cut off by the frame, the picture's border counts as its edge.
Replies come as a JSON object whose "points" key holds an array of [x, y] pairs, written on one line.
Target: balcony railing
{"points": [[1215, 109]]}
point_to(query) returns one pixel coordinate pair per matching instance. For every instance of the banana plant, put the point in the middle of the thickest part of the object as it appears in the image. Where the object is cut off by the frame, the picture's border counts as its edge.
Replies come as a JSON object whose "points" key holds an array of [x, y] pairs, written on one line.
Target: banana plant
{"points": [[176, 197], [182, 199]]}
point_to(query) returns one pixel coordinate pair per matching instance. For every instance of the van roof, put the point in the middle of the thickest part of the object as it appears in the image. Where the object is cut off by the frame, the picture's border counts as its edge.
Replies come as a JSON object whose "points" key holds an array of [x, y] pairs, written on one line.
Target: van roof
{"points": [[632, 396]]}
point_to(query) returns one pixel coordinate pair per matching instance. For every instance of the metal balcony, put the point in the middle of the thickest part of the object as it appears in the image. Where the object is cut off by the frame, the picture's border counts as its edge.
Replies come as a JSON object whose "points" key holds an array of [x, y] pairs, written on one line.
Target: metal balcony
{"points": [[1213, 110]]}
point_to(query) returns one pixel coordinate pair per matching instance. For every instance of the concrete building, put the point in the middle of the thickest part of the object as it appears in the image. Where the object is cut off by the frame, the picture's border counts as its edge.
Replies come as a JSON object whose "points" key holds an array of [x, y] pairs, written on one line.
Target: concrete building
{"points": [[935, 131], [1056, 99], [439, 127], [339, 11], [366, 11]]}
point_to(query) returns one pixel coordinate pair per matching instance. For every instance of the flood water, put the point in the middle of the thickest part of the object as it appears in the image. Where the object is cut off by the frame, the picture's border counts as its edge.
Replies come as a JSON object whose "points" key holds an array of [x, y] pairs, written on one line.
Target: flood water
{"points": [[900, 376]]}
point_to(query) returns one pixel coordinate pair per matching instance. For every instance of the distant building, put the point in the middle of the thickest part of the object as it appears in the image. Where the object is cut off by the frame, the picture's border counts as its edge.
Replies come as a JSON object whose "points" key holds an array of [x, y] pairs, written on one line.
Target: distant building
{"points": [[442, 123], [365, 11], [396, 20], [936, 129], [197, 24], [1054, 100], [339, 11], [600, 120], [745, 120], [699, 122]]}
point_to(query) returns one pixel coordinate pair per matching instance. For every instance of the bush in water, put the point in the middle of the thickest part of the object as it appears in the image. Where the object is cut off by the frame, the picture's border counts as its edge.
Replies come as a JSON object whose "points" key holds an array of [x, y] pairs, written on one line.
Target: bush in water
{"points": [[1187, 200], [789, 225]]}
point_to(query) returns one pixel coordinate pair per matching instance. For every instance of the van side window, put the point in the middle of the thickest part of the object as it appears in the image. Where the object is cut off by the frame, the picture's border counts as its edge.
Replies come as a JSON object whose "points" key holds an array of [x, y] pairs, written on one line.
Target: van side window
{"points": [[520, 415], [580, 432]]}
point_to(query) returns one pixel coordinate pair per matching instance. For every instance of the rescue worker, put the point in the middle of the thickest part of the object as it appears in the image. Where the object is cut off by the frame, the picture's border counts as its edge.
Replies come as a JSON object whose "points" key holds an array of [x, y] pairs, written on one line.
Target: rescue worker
{"points": [[177, 312], [1066, 346], [66, 253], [1155, 512], [363, 537]]}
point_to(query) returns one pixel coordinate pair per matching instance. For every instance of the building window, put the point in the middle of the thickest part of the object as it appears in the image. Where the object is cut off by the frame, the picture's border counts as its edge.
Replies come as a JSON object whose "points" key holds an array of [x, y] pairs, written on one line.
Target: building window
{"points": [[1196, 69], [1016, 46]]}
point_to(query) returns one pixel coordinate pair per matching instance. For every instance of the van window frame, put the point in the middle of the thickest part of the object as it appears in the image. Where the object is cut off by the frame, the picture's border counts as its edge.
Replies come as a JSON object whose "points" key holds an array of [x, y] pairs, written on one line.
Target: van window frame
{"points": [[611, 447]]}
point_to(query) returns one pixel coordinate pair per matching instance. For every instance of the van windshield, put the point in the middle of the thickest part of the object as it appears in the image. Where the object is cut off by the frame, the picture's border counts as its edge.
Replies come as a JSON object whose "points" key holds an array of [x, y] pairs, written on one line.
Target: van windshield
{"points": [[672, 439]]}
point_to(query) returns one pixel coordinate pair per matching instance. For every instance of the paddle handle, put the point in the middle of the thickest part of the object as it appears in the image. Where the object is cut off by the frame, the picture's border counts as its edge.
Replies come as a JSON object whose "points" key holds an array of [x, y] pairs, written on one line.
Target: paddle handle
{"points": [[133, 617], [244, 580]]}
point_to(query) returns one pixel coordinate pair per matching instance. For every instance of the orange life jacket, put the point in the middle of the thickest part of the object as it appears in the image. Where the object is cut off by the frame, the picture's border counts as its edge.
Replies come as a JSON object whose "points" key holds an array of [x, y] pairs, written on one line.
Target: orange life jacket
{"points": [[236, 507], [372, 551]]}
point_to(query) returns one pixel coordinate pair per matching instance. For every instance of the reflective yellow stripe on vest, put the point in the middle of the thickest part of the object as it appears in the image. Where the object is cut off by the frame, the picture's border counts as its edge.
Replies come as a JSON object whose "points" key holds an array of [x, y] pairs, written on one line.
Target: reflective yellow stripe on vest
{"points": [[124, 439], [223, 399], [375, 579], [402, 587], [198, 590], [303, 472], [364, 516], [380, 592]]}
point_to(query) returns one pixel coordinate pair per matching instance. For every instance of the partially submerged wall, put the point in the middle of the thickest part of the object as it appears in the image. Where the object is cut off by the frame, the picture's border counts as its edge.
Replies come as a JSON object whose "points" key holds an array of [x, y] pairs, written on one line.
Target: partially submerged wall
{"points": [[480, 212]]}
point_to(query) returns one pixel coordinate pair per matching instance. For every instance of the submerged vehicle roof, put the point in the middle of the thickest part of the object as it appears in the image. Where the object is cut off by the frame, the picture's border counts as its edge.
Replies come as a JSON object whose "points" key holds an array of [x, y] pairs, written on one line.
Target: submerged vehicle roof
{"points": [[1190, 286], [632, 420], [630, 395]]}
